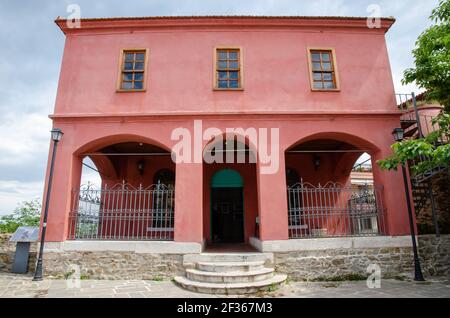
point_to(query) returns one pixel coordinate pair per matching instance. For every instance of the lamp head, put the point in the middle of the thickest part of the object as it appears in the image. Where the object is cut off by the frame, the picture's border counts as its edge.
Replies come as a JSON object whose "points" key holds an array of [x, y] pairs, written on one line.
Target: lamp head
{"points": [[56, 134], [398, 134]]}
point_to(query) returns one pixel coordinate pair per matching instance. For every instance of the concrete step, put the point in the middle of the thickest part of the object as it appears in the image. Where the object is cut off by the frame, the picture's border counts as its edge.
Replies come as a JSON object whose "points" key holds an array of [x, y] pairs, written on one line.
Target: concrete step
{"points": [[230, 277], [230, 266], [189, 260], [229, 288]]}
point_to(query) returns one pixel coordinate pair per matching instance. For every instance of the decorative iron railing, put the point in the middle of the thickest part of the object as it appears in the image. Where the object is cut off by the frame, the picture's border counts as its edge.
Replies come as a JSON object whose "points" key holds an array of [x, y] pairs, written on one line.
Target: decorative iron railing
{"points": [[122, 212], [333, 210]]}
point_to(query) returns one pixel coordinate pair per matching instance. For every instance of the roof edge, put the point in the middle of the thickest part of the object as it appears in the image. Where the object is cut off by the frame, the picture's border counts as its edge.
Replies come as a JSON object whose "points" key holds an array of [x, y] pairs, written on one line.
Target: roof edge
{"points": [[221, 20]]}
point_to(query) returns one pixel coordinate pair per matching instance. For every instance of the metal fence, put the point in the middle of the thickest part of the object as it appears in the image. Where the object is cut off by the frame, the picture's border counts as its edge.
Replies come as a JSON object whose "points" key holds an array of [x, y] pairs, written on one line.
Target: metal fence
{"points": [[406, 103], [123, 212], [333, 210]]}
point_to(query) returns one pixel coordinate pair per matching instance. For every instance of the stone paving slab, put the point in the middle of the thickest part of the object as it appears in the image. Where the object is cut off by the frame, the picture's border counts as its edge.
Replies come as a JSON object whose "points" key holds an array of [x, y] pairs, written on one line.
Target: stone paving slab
{"points": [[22, 286]]}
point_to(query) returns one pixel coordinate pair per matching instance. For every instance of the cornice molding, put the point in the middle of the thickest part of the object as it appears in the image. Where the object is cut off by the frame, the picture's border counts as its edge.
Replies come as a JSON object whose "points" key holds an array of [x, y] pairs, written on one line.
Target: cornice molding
{"points": [[95, 25], [127, 117]]}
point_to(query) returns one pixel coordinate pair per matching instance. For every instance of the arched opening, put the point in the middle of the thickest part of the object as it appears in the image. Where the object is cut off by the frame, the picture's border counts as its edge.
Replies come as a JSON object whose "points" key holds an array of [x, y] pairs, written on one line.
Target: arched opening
{"points": [[132, 198], [362, 172], [330, 189], [230, 208]]}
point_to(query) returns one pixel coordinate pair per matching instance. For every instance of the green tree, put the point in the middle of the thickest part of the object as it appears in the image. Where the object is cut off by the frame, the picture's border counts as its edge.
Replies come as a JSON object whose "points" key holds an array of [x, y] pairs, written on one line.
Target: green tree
{"points": [[432, 57], [26, 214], [432, 72]]}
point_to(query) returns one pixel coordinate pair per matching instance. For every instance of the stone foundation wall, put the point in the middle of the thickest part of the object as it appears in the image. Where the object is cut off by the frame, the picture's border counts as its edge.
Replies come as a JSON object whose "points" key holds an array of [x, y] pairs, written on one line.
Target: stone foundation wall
{"points": [[343, 263], [340, 263], [97, 265], [114, 265], [435, 254], [299, 265]]}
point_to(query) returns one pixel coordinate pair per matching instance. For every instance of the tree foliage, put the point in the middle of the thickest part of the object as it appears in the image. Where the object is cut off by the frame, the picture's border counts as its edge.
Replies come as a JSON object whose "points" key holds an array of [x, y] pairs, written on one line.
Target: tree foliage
{"points": [[26, 214], [432, 57], [432, 72], [431, 147]]}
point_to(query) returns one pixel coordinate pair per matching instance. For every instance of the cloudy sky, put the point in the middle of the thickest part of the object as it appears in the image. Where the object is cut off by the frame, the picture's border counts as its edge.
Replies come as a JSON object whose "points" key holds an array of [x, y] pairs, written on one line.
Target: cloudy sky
{"points": [[32, 46]]}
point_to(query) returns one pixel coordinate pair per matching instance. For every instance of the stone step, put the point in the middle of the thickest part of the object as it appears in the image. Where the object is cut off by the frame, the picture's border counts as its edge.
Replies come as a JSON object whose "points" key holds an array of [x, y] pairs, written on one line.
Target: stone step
{"points": [[189, 260], [230, 277], [230, 266], [229, 288]]}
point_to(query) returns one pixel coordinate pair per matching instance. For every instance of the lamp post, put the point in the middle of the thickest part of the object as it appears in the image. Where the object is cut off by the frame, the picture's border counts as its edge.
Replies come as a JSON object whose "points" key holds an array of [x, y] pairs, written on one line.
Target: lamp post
{"points": [[56, 137], [398, 134]]}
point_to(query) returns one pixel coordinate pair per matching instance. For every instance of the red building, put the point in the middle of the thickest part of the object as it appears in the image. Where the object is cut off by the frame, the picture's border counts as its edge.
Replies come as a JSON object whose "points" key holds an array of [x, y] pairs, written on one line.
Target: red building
{"points": [[297, 99]]}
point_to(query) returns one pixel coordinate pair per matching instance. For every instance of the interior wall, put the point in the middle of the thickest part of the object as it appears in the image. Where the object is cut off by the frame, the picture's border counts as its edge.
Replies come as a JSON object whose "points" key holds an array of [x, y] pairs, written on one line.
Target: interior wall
{"points": [[335, 167], [127, 169]]}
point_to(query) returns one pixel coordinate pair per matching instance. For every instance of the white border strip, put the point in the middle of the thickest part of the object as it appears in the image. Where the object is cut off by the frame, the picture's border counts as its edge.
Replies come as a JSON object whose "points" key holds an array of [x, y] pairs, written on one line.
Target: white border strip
{"points": [[138, 247], [330, 243]]}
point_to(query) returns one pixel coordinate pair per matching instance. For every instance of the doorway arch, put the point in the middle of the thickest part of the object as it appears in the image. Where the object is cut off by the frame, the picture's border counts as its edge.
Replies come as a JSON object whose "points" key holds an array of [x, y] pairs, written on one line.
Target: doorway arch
{"points": [[227, 178], [227, 207]]}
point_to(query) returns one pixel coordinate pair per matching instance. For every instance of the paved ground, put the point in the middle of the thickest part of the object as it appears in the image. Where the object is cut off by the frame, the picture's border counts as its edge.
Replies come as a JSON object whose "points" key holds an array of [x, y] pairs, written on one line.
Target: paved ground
{"points": [[23, 286]]}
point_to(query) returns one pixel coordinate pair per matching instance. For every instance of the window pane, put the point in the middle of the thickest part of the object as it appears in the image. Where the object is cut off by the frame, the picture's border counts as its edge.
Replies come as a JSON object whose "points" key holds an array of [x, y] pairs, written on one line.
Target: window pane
{"points": [[222, 64], [223, 84], [222, 75], [233, 75], [326, 57], [138, 85], [316, 66], [127, 76], [234, 65], [326, 66], [222, 55], [233, 55], [139, 66], [129, 56], [234, 84], [328, 76], [315, 57], [140, 56], [328, 85], [318, 85], [317, 76], [128, 66], [127, 85], [138, 76]]}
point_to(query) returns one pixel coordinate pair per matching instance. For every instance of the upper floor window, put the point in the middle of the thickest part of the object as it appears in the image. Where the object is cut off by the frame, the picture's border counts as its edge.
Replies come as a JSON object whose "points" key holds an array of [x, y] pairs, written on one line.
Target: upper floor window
{"points": [[323, 69], [228, 69], [133, 64]]}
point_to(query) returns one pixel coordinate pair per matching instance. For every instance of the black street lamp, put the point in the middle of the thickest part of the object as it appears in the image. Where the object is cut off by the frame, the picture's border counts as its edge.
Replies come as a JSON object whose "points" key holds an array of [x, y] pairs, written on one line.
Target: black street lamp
{"points": [[56, 137], [398, 134]]}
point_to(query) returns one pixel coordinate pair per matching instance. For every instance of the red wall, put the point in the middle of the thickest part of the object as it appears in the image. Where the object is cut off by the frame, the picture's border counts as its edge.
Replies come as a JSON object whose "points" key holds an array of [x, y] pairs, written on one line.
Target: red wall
{"points": [[180, 70]]}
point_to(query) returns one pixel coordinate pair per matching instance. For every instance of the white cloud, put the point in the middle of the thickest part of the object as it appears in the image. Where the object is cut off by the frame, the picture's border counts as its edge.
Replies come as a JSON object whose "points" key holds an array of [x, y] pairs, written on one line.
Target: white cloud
{"points": [[89, 175], [14, 192], [23, 137]]}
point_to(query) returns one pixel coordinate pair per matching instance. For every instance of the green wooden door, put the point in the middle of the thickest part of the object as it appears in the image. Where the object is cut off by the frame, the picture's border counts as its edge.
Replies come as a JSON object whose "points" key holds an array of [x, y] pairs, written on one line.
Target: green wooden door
{"points": [[227, 207]]}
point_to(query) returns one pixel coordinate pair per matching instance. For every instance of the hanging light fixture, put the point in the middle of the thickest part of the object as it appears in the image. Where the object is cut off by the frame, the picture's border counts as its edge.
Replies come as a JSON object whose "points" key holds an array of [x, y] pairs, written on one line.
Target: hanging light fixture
{"points": [[316, 162], [140, 166]]}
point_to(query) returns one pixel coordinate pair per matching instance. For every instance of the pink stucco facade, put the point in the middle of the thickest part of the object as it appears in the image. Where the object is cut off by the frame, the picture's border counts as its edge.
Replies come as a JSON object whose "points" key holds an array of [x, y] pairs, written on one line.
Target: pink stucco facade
{"points": [[276, 94]]}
